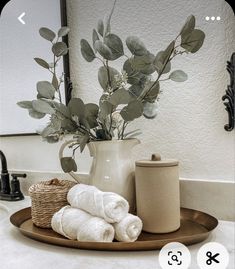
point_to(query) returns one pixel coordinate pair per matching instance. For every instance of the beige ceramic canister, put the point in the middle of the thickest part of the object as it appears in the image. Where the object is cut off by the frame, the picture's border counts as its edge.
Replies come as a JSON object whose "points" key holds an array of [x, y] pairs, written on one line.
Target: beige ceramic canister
{"points": [[157, 194]]}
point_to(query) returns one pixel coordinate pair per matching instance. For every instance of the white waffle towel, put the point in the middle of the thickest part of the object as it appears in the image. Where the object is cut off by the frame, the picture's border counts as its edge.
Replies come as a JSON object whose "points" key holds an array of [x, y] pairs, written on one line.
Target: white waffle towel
{"points": [[128, 229], [107, 205], [75, 224]]}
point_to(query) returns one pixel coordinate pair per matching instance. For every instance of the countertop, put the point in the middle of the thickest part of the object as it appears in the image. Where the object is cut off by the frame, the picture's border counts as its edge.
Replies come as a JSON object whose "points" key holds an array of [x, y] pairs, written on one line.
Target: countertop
{"points": [[18, 251]]}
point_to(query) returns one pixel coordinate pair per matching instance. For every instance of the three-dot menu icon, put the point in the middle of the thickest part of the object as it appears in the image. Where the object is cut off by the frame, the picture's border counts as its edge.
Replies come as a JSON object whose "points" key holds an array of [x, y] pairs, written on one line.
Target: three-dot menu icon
{"points": [[212, 18]]}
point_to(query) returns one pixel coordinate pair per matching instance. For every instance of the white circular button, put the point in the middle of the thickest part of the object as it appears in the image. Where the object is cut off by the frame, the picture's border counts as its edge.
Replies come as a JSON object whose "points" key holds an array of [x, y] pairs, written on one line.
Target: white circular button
{"points": [[213, 255], [212, 18], [207, 18], [174, 255], [218, 18]]}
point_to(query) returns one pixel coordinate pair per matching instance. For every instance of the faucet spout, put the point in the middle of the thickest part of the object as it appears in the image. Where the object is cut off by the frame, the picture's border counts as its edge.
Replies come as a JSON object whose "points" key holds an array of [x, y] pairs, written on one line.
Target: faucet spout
{"points": [[5, 181], [4, 162]]}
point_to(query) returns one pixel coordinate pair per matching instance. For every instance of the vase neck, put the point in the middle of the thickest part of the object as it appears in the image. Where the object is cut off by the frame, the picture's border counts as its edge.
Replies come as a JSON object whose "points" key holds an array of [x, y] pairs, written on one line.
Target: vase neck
{"points": [[112, 146]]}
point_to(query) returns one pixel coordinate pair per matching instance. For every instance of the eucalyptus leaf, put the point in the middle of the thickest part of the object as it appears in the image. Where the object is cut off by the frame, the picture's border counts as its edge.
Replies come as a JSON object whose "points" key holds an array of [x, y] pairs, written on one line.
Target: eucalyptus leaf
{"points": [[47, 34], [91, 114], [42, 107], [188, 26], [120, 96], [136, 90], [60, 49], [83, 141], [134, 77], [86, 50], [63, 109], [77, 107], [100, 27], [42, 63], [193, 41], [55, 123], [25, 104], [150, 110], [95, 37], [106, 108], [178, 76], [144, 63], [92, 109], [151, 91], [52, 138], [104, 78], [68, 164], [103, 50], [39, 96], [46, 89], [168, 51], [48, 131], [114, 42], [55, 82], [136, 46], [63, 31], [36, 115], [68, 125], [132, 111], [160, 62], [107, 27]]}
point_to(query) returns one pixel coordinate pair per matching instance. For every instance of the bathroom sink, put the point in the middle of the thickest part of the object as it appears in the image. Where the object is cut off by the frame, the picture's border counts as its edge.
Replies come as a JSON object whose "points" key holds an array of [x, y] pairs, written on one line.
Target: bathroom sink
{"points": [[4, 212]]}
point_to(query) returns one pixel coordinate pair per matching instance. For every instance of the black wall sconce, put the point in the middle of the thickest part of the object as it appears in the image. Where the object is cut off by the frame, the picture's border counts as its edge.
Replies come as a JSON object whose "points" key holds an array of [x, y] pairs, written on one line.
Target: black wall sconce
{"points": [[229, 97]]}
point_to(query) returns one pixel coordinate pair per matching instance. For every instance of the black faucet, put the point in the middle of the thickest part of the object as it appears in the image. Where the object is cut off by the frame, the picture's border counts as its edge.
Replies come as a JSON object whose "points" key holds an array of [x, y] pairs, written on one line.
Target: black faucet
{"points": [[8, 193]]}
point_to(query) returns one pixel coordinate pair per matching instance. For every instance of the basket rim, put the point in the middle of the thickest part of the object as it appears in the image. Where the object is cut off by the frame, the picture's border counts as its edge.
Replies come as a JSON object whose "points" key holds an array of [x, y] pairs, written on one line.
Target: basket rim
{"points": [[37, 188]]}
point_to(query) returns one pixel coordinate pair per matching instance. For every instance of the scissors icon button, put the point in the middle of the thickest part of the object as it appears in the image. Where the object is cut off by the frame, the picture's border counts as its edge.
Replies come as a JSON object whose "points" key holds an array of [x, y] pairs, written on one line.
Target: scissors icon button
{"points": [[213, 255], [212, 258]]}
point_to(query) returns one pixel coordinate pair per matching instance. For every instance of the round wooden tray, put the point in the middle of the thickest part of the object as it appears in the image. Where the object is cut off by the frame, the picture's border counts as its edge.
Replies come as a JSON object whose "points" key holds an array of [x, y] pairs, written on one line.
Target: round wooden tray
{"points": [[195, 227]]}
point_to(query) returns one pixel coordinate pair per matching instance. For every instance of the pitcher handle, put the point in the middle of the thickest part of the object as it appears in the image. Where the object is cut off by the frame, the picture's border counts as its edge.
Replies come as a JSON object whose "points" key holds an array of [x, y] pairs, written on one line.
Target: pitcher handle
{"points": [[61, 155]]}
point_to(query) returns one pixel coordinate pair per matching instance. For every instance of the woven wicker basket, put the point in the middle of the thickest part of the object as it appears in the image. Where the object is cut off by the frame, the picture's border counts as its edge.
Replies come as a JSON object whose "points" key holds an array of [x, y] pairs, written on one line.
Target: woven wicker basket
{"points": [[48, 197]]}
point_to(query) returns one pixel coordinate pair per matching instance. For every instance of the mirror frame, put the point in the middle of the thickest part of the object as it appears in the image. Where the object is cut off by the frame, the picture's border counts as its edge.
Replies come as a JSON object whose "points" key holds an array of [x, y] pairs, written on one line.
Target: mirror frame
{"points": [[67, 84]]}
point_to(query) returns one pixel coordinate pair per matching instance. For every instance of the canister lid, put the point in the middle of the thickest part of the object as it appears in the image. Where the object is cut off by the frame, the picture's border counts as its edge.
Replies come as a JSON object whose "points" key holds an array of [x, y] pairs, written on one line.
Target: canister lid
{"points": [[156, 161]]}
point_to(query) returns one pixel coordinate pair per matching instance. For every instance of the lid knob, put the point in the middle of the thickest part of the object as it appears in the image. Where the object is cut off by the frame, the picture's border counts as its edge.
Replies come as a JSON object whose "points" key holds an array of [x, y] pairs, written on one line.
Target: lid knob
{"points": [[156, 157]]}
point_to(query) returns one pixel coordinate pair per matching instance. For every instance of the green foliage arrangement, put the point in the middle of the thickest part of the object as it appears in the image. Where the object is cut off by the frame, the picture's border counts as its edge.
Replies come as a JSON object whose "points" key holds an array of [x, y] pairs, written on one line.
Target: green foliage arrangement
{"points": [[127, 95]]}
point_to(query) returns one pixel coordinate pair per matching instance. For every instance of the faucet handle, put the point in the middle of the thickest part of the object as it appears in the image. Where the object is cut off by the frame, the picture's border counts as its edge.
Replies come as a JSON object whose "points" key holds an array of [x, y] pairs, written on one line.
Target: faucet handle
{"points": [[15, 186], [15, 176]]}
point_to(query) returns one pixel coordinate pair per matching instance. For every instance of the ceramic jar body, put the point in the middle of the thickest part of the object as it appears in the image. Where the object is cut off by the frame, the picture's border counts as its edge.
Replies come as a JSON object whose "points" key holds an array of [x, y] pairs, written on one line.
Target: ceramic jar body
{"points": [[157, 198]]}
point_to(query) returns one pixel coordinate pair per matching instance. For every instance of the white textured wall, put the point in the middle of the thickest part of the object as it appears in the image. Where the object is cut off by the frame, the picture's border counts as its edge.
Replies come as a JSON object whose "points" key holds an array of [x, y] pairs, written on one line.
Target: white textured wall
{"points": [[189, 126]]}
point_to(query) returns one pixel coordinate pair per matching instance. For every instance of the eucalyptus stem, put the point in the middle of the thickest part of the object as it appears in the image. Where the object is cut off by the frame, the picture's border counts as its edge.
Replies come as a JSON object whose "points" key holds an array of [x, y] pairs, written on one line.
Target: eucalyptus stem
{"points": [[87, 131], [100, 60], [159, 75], [111, 122], [75, 150], [123, 129], [108, 73], [54, 75], [164, 79], [80, 128]]}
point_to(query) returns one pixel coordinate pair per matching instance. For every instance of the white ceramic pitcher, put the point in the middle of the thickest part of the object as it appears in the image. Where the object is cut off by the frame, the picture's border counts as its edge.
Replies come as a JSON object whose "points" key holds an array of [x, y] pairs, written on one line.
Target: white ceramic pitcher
{"points": [[112, 168]]}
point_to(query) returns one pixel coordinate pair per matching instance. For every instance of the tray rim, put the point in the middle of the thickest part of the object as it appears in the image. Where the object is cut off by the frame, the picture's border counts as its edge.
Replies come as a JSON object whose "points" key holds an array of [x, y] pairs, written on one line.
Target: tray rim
{"points": [[115, 246]]}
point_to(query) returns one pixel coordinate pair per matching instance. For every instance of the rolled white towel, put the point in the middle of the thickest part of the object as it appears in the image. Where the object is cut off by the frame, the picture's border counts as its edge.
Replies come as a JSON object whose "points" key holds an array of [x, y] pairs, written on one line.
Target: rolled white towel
{"points": [[107, 205], [128, 229], [74, 223]]}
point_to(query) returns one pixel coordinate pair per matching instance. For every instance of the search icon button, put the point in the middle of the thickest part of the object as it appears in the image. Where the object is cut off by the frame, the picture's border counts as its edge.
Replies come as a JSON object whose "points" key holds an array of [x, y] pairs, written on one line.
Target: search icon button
{"points": [[174, 255]]}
